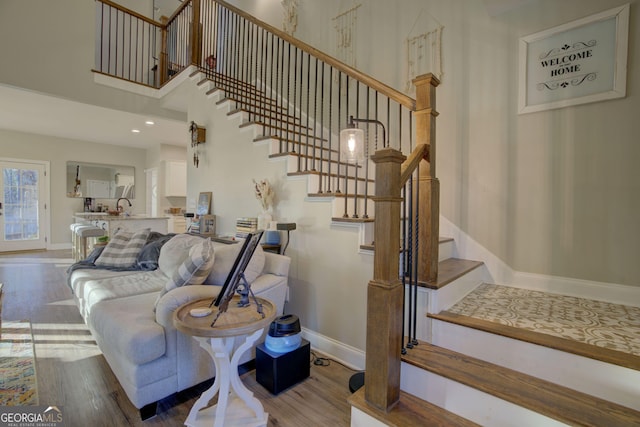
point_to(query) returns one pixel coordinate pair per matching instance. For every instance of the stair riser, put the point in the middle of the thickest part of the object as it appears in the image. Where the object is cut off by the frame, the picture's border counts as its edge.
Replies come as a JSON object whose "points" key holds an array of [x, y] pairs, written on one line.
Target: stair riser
{"points": [[607, 381], [361, 419], [445, 249], [333, 183], [468, 402], [447, 296], [427, 298]]}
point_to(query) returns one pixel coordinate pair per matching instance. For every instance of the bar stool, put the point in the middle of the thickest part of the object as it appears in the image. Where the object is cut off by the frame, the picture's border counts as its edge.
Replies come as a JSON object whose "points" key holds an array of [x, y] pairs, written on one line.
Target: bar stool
{"points": [[83, 233], [74, 239]]}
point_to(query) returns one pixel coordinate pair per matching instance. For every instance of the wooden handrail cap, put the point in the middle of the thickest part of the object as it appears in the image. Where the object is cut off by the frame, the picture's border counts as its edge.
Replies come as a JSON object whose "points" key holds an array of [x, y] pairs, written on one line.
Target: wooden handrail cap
{"points": [[388, 155], [426, 79]]}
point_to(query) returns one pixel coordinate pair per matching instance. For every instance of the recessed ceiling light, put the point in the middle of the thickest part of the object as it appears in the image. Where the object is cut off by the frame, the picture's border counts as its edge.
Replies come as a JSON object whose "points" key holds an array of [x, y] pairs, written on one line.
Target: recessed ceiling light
{"points": [[135, 130], [149, 123]]}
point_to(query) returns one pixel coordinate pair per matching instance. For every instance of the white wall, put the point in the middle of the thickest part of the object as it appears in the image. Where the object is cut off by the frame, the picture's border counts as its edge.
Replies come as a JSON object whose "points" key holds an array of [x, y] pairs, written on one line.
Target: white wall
{"points": [[58, 151], [328, 278], [551, 193]]}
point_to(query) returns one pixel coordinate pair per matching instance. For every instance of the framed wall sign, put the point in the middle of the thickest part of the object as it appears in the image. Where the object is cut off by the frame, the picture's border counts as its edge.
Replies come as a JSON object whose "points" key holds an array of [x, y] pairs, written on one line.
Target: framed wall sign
{"points": [[575, 63]]}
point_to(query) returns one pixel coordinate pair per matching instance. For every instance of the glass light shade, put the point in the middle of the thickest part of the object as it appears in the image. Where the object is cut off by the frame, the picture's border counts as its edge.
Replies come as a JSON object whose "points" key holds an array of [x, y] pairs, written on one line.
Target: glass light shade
{"points": [[352, 145]]}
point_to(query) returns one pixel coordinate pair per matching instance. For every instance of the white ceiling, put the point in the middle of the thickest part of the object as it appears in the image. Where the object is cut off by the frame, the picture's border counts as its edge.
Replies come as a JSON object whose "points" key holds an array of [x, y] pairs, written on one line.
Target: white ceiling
{"points": [[27, 111]]}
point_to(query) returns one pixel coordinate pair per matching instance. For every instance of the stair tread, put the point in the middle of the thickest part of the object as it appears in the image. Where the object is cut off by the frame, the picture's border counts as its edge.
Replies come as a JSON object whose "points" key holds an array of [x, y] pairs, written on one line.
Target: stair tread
{"points": [[570, 346], [451, 269], [544, 397], [353, 220], [408, 411]]}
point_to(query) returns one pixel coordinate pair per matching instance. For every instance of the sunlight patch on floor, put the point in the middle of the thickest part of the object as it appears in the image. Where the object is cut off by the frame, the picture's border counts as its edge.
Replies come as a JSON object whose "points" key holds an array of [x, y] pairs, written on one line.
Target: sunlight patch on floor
{"points": [[67, 342]]}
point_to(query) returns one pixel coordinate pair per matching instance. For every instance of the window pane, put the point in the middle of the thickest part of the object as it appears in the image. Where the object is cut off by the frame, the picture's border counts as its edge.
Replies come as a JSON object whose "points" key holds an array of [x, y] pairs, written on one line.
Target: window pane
{"points": [[20, 204], [29, 177]]}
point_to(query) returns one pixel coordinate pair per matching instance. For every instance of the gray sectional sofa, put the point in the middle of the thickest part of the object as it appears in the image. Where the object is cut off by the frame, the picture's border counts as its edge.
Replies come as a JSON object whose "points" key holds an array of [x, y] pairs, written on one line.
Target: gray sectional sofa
{"points": [[130, 314]]}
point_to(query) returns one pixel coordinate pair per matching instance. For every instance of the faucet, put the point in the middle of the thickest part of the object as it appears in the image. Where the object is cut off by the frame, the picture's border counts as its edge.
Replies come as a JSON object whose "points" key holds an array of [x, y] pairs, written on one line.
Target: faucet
{"points": [[118, 207]]}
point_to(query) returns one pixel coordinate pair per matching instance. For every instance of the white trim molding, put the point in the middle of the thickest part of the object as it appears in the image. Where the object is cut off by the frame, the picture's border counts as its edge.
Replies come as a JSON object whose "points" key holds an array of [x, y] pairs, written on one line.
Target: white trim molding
{"points": [[349, 356], [499, 273]]}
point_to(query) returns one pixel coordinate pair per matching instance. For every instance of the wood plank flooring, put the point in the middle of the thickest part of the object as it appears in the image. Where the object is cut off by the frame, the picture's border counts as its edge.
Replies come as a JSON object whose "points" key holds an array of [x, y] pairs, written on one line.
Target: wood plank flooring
{"points": [[73, 374]]}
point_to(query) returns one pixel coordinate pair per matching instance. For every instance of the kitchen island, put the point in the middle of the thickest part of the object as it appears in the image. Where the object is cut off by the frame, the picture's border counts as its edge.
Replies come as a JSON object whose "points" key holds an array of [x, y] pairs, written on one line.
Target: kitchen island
{"points": [[113, 223]]}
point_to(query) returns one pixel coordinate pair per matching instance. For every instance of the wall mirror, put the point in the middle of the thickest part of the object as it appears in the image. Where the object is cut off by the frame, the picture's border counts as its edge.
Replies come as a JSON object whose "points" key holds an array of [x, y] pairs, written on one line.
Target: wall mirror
{"points": [[100, 181]]}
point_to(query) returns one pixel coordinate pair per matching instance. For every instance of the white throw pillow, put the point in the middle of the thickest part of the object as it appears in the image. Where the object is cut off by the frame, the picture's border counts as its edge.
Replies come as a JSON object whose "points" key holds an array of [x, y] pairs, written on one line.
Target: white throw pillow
{"points": [[123, 249], [194, 269], [226, 256], [175, 251]]}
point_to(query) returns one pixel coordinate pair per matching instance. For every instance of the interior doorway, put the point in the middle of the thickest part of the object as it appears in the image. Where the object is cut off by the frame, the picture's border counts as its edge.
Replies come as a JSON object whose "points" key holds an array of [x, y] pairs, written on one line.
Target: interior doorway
{"points": [[23, 202], [152, 191]]}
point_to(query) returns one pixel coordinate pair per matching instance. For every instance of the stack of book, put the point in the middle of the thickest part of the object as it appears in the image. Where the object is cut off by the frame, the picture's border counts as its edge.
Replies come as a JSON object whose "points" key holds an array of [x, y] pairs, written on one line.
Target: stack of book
{"points": [[194, 227], [244, 226]]}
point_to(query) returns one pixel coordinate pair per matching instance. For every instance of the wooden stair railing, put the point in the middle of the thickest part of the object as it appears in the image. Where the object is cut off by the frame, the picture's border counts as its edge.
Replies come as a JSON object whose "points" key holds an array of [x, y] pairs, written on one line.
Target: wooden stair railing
{"points": [[302, 97], [385, 293]]}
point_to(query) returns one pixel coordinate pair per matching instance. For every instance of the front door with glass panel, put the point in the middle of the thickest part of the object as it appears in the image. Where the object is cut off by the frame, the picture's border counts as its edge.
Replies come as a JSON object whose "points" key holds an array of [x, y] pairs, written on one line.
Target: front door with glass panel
{"points": [[22, 212]]}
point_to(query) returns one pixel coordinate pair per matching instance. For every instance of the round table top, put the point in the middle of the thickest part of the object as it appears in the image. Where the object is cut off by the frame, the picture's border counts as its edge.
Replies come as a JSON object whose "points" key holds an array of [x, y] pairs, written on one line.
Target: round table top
{"points": [[235, 321]]}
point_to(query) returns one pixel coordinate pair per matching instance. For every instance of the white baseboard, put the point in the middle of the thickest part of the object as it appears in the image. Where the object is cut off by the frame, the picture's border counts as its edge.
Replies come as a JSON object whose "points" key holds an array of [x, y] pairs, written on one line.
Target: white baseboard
{"points": [[58, 246], [608, 292], [343, 353], [499, 273]]}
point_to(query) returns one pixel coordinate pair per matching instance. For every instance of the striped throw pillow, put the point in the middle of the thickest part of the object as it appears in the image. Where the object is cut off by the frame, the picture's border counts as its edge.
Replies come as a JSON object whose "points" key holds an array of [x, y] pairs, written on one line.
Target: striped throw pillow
{"points": [[195, 268], [123, 249]]}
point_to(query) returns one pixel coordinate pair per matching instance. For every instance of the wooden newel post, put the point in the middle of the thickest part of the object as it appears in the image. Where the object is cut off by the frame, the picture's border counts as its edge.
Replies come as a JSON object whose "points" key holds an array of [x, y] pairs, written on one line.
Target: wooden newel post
{"points": [[196, 34], [429, 186], [385, 292]]}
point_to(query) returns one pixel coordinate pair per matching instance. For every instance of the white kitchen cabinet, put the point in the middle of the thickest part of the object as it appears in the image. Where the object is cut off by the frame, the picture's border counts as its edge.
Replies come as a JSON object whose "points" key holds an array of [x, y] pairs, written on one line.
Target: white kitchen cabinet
{"points": [[175, 175], [177, 224]]}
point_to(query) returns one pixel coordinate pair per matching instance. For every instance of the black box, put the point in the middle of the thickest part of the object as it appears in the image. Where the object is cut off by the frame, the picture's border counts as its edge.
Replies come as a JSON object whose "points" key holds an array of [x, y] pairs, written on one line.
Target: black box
{"points": [[279, 371]]}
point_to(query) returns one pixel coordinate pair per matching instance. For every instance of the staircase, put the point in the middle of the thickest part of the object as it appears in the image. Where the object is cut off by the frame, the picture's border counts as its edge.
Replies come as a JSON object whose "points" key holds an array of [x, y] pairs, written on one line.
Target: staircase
{"points": [[466, 371], [456, 370], [491, 374], [497, 375]]}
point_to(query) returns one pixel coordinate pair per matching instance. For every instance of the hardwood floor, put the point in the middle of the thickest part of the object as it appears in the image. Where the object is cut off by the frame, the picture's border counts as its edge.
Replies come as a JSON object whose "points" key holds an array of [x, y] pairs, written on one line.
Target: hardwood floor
{"points": [[73, 374]]}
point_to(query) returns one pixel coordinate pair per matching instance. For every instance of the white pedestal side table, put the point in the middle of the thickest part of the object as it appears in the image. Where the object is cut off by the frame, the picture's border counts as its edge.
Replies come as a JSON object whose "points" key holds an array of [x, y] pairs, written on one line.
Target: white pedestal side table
{"points": [[236, 405]]}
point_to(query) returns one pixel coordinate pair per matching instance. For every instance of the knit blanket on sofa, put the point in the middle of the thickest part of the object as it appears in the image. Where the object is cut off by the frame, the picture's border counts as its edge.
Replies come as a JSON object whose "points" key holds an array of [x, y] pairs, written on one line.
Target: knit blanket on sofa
{"points": [[147, 259]]}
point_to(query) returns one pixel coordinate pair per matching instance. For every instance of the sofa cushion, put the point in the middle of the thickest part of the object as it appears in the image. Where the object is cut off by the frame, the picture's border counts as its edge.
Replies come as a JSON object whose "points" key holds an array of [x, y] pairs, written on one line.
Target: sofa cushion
{"points": [[123, 249], [95, 291], [128, 328], [226, 256], [175, 251]]}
